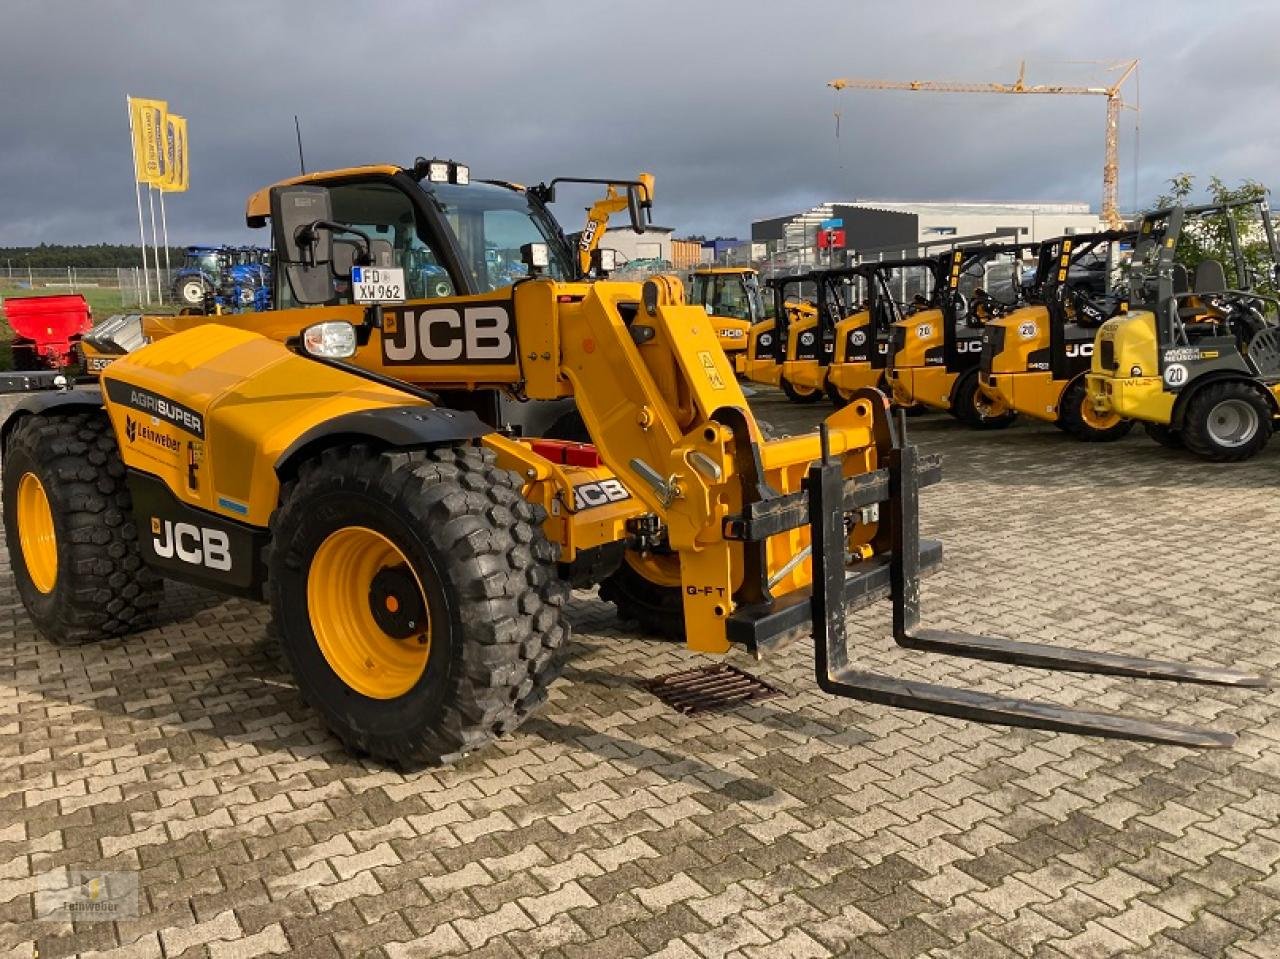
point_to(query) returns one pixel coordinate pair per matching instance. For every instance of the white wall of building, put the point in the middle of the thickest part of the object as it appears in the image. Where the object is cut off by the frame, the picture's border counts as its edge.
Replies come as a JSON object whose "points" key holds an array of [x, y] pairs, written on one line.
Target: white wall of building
{"points": [[652, 244]]}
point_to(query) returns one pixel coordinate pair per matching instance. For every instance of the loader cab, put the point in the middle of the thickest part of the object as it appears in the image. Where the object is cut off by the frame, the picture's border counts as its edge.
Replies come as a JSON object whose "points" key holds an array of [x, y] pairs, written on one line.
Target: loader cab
{"points": [[1197, 358], [731, 297], [767, 340], [1034, 357], [894, 298], [936, 353]]}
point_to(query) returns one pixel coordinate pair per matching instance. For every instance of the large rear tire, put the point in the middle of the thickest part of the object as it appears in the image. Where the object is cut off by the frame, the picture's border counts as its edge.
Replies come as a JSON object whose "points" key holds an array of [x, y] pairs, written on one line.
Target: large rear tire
{"points": [[1077, 416], [69, 527], [971, 407], [1227, 422], [190, 291], [416, 599]]}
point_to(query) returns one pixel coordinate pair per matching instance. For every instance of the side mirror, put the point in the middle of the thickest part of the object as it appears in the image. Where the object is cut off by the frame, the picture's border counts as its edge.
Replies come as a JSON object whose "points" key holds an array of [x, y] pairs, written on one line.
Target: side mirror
{"points": [[304, 251], [640, 201]]}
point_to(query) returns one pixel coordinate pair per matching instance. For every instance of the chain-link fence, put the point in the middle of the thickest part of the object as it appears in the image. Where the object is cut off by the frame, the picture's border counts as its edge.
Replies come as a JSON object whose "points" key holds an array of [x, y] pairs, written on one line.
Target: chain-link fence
{"points": [[104, 284]]}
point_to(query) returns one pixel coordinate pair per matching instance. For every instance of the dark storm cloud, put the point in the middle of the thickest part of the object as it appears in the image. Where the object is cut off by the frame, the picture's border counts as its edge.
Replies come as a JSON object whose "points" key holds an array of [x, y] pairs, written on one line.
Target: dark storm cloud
{"points": [[725, 103]]}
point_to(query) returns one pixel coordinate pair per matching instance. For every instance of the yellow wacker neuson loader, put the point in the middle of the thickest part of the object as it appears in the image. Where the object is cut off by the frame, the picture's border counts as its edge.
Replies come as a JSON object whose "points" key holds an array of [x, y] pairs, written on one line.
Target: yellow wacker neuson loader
{"points": [[339, 457], [1196, 359]]}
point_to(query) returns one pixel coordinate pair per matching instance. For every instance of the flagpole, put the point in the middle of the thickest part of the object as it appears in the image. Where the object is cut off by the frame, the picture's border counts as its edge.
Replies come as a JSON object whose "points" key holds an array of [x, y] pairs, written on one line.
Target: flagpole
{"points": [[155, 250], [164, 229], [137, 193]]}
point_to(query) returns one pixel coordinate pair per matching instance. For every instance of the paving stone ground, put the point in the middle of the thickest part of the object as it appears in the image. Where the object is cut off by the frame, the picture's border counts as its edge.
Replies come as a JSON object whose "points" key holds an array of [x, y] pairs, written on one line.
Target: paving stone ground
{"points": [[609, 826]]}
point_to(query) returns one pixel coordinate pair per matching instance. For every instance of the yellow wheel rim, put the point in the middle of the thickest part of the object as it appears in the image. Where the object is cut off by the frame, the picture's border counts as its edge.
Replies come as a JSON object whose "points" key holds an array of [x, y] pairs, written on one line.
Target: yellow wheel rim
{"points": [[1095, 420], [657, 568], [989, 406], [35, 533], [368, 612]]}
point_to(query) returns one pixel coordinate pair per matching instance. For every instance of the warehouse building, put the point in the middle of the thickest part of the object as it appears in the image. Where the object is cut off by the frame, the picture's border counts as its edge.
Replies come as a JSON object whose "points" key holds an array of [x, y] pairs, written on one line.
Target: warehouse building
{"points": [[831, 230]]}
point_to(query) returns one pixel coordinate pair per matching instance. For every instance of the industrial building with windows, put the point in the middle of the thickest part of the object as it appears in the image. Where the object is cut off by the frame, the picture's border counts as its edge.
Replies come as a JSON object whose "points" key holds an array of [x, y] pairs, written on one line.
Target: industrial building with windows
{"points": [[833, 232]]}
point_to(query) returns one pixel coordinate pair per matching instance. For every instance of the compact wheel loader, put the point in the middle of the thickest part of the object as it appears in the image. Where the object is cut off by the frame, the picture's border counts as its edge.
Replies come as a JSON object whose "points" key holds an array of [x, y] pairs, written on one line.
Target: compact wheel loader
{"points": [[340, 457], [934, 354], [1198, 361], [1034, 358], [731, 297], [783, 351]]}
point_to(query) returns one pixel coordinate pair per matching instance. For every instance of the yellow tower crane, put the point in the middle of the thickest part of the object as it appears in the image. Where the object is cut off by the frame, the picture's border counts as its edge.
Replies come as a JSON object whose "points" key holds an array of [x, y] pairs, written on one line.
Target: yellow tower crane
{"points": [[1111, 165]]}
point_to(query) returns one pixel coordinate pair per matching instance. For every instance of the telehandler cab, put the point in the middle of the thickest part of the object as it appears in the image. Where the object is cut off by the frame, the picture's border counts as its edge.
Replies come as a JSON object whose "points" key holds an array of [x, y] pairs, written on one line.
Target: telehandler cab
{"points": [[731, 297], [414, 552], [1034, 358], [1198, 364], [934, 354]]}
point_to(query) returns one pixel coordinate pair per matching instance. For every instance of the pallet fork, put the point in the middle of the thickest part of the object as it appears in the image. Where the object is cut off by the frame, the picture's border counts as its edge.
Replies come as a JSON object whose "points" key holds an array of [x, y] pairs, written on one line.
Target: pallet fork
{"points": [[827, 492]]}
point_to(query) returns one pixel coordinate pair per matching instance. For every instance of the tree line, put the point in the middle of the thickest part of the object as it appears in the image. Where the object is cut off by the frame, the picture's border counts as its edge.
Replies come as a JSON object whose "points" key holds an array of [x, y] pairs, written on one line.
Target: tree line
{"points": [[96, 256]]}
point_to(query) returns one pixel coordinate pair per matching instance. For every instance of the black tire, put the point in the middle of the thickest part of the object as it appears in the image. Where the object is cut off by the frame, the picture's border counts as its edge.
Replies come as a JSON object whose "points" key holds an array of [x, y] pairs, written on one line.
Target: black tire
{"points": [[967, 406], [1166, 436], [492, 596], [190, 291], [795, 396], [102, 587], [659, 609], [1227, 422], [833, 394], [569, 426], [1073, 417]]}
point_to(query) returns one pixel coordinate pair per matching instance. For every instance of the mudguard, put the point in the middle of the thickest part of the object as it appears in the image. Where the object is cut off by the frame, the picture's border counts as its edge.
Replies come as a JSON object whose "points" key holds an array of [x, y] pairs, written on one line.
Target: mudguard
{"points": [[85, 397]]}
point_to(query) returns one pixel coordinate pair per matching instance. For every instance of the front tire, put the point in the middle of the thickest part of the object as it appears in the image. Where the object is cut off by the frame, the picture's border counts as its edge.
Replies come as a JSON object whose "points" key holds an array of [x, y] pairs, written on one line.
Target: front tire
{"points": [[800, 394], [1077, 416], [973, 409], [1164, 435], [1227, 422], [646, 590], [416, 599], [69, 527]]}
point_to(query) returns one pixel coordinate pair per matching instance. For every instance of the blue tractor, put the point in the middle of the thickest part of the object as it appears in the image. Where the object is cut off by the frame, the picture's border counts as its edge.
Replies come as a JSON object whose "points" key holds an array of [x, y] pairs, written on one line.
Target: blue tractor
{"points": [[234, 278]]}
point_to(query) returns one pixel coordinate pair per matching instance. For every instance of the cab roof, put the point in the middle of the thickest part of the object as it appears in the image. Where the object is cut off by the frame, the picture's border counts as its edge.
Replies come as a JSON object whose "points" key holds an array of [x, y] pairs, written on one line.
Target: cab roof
{"points": [[258, 209]]}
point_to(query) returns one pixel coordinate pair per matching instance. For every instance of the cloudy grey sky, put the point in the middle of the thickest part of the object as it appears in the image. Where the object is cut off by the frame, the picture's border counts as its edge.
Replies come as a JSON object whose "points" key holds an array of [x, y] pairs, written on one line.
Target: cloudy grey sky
{"points": [[725, 102]]}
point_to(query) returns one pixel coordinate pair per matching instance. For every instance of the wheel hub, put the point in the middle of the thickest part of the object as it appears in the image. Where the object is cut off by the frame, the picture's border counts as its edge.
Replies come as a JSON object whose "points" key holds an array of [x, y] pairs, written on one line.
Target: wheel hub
{"points": [[1232, 423], [396, 603], [368, 613]]}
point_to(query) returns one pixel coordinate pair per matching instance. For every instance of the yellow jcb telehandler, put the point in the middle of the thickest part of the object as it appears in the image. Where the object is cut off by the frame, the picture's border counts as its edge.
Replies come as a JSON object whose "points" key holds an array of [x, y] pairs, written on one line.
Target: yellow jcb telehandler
{"points": [[731, 297], [340, 457]]}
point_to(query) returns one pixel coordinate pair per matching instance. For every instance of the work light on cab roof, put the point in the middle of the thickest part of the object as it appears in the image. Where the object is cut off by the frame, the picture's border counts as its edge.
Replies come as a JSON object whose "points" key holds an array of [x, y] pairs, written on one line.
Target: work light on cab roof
{"points": [[441, 171]]}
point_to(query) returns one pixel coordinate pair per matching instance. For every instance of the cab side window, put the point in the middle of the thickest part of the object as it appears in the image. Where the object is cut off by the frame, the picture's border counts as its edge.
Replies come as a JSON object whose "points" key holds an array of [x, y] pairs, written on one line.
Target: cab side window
{"points": [[386, 215]]}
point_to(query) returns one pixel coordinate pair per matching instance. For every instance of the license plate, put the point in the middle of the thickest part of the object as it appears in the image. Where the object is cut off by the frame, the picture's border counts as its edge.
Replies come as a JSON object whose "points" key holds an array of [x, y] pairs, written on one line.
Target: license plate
{"points": [[377, 284]]}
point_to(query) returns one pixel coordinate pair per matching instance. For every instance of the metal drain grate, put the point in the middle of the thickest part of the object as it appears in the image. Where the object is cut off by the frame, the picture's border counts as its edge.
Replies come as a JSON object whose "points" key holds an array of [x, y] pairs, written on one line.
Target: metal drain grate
{"points": [[709, 688]]}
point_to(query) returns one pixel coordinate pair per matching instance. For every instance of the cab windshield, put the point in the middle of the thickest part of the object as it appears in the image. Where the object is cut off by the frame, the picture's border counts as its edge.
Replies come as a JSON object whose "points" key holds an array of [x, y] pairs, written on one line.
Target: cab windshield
{"points": [[490, 224], [733, 295]]}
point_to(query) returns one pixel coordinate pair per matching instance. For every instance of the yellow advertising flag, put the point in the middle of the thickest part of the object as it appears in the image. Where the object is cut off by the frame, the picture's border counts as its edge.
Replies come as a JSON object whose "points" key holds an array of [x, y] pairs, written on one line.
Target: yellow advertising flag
{"points": [[147, 118], [177, 176]]}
